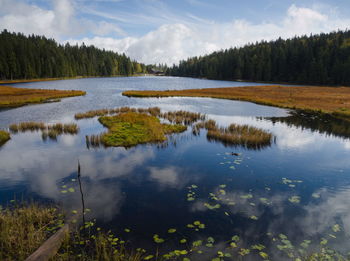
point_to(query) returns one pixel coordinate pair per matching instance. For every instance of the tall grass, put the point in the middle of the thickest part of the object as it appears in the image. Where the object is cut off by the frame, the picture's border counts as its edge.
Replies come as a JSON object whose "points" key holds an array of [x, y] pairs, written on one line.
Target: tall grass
{"points": [[178, 117], [243, 135], [23, 229], [4, 137]]}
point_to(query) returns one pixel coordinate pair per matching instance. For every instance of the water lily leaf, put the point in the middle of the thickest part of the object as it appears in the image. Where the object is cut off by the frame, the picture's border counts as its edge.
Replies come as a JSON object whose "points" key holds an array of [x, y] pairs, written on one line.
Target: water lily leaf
{"points": [[323, 242], [190, 199], [183, 241], [194, 186], [254, 217], [210, 240], [64, 186], [222, 186], [186, 259], [247, 196], [336, 228], [197, 243], [148, 257], [71, 190], [227, 214], [258, 247], [216, 206], [244, 251], [171, 230], [294, 199], [264, 255], [235, 238], [64, 191], [233, 244], [74, 211], [316, 195], [127, 230]]}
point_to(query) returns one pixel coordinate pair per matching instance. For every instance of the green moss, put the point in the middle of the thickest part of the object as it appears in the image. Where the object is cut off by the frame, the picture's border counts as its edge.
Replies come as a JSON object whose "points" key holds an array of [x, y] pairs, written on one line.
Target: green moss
{"points": [[132, 128], [4, 137]]}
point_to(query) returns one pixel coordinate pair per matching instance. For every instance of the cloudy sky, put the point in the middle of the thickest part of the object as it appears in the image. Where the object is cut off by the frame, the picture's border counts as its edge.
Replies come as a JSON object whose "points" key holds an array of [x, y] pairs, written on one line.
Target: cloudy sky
{"points": [[166, 31]]}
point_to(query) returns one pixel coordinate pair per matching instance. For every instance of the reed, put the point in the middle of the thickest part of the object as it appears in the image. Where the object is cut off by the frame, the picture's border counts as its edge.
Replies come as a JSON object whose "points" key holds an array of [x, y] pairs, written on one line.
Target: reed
{"points": [[236, 135], [154, 111], [15, 97], [4, 137]]}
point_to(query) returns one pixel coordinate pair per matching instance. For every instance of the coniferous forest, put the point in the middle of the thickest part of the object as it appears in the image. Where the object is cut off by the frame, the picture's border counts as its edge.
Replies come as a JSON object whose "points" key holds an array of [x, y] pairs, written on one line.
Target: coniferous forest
{"points": [[317, 59], [30, 57]]}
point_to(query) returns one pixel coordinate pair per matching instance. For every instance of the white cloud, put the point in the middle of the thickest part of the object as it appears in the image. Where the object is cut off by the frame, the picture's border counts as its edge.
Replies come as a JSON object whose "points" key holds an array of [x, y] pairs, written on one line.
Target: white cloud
{"points": [[176, 37], [60, 22], [173, 42]]}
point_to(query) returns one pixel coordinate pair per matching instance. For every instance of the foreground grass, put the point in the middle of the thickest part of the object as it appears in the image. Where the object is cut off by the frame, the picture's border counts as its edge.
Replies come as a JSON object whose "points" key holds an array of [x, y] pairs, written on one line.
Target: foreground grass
{"points": [[132, 128], [15, 97], [23, 230], [330, 100], [4, 137]]}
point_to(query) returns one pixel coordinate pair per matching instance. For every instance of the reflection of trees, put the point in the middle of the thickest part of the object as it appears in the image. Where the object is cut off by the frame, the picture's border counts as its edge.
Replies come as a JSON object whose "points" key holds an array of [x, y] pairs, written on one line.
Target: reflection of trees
{"points": [[316, 122]]}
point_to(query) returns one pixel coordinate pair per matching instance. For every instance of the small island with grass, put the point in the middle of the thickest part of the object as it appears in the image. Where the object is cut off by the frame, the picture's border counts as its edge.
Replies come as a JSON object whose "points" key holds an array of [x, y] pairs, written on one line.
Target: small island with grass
{"points": [[15, 97]]}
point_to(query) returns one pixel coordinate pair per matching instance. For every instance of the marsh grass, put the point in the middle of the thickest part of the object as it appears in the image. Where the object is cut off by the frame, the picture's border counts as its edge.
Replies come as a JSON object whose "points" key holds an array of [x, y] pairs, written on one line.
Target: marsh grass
{"points": [[47, 131], [178, 117], [236, 135], [132, 128], [329, 100], [4, 137], [15, 97], [23, 229]]}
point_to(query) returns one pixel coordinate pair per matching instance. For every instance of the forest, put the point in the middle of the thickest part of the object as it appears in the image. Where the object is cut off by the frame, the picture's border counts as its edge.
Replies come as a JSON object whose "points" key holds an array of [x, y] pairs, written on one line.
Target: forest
{"points": [[322, 59], [31, 57]]}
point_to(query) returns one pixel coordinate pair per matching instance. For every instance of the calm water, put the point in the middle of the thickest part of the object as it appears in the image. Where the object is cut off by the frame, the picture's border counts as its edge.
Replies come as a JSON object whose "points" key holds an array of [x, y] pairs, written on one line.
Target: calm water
{"points": [[298, 187]]}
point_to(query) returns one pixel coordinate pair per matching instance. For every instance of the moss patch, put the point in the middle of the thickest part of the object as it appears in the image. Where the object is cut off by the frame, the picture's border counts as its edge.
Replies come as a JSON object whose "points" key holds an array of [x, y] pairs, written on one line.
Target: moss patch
{"points": [[4, 137], [132, 128]]}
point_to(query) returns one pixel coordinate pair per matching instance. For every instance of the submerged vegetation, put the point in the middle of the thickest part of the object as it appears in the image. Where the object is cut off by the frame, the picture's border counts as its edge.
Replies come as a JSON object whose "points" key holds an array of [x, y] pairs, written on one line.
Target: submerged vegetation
{"points": [[329, 100], [15, 97], [4, 137]]}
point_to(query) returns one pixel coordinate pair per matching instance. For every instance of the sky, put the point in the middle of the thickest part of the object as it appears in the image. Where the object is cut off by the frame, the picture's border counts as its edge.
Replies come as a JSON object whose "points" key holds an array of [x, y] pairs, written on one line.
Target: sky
{"points": [[167, 31]]}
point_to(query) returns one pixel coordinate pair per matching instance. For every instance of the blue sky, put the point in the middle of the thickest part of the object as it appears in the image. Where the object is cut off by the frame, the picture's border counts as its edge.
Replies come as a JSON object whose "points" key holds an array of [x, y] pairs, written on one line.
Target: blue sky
{"points": [[166, 31]]}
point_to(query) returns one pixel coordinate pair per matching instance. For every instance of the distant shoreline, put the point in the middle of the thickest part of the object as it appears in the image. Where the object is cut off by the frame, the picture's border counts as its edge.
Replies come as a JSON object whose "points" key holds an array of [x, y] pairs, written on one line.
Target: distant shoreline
{"points": [[67, 78], [327, 100]]}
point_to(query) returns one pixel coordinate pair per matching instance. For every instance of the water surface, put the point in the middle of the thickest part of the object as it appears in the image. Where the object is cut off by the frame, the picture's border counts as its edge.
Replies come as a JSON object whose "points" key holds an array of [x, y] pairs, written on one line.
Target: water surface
{"points": [[299, 186]]}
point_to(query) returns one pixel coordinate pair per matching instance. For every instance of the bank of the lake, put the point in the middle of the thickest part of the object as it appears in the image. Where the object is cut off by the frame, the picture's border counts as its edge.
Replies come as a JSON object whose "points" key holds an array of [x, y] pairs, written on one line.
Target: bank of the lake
{"points": [[15, 97], [330, 100]]}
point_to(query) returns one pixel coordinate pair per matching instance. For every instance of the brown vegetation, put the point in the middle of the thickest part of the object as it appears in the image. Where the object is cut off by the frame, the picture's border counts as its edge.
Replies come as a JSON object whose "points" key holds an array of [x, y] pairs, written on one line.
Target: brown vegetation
{"points": [[15, 97], [331, 100], [236, 135], [4, 137]]}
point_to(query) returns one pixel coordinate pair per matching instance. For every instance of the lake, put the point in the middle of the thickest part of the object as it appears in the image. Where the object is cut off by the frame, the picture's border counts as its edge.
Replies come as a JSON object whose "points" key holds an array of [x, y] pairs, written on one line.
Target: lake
{"points": [[280, 196]]}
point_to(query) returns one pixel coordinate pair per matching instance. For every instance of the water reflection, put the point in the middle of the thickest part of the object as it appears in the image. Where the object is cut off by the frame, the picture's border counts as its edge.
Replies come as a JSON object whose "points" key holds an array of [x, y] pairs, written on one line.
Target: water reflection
{"points": [[316, 122]]}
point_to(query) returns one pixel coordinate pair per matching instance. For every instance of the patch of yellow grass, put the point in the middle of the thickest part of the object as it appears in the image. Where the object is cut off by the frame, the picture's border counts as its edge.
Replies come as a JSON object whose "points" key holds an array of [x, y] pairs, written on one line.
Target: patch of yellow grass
{"points": [[15, 97], [332, 100]]}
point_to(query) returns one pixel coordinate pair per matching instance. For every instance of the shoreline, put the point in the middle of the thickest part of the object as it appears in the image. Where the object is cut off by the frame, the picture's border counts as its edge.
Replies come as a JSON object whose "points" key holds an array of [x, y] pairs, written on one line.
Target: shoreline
{"points": [[327, 100], [66, 78]]}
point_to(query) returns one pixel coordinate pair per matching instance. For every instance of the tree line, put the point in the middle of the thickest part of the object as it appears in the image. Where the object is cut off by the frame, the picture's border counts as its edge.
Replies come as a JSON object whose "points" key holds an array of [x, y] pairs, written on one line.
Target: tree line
{"points": [[30, 57], [316, 59]]}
